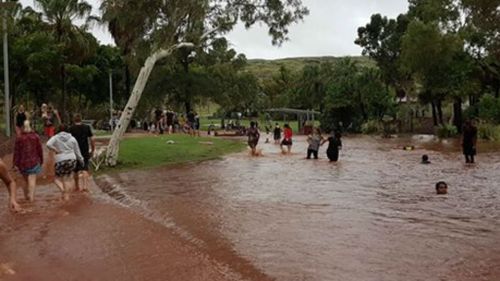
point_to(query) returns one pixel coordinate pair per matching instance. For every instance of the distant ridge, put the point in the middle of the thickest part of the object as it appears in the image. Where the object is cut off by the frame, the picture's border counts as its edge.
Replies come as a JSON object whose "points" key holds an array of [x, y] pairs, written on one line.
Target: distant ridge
{"points": [[267, 68]]}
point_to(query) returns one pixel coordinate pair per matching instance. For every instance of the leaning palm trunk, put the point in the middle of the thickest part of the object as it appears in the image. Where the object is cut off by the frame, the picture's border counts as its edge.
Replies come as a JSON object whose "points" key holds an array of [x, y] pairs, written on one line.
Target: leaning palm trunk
{"points": [[133, 101]]}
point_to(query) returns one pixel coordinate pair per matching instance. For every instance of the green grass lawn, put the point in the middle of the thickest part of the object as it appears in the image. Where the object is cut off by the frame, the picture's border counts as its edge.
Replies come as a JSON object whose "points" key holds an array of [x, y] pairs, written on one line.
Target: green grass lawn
{"points": [[149, 152]]}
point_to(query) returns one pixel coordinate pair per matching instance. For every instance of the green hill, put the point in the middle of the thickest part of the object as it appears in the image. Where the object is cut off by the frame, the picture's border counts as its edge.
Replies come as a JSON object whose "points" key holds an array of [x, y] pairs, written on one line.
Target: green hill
{"points": [[264, 69]]}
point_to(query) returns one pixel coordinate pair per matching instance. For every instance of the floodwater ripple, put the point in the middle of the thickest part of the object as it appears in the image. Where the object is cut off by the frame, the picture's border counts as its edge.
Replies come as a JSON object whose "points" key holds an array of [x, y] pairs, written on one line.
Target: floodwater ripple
{"points": [[372, 216]]}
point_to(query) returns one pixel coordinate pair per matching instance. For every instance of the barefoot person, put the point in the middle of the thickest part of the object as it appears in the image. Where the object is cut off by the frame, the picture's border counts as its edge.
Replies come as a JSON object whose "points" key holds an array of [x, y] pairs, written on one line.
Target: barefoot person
{"points": [[469, 140], [314, 141], [28, 158], [83, 135], [68, 154], [334, 145], [11, 187], [253, 137], [287, 139]]}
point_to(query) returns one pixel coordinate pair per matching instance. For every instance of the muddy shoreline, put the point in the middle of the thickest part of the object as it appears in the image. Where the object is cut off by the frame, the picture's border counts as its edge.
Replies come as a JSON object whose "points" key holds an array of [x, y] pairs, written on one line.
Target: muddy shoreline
{"points": [[91, 239]]}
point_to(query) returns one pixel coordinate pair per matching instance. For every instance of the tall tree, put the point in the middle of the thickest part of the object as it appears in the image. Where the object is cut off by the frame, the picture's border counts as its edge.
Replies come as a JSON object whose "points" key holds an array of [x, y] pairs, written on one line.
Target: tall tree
{"points": [[61, 16], [166, 26], [381, 40]]}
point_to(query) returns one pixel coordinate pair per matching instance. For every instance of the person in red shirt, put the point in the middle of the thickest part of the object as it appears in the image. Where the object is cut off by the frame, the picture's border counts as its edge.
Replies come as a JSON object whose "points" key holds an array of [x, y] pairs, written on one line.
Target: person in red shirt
{"points": [[11, 187], [287, 139], [28, 158]]}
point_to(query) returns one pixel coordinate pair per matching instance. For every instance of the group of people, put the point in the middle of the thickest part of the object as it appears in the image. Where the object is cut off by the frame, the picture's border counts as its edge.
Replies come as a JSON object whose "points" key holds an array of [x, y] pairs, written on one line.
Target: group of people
{"points": [[72, 148], [167, 121], [48, 115], [284, 138]]}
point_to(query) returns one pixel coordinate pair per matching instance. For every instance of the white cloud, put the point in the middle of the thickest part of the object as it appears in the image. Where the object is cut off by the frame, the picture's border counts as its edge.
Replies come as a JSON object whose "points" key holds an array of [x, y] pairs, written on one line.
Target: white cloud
{"points": [[329, 30]]}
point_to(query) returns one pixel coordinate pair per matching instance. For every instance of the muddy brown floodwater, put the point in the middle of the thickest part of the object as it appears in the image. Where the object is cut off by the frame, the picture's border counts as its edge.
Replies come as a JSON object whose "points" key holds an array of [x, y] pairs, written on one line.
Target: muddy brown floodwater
{"points": [[372, 216]]}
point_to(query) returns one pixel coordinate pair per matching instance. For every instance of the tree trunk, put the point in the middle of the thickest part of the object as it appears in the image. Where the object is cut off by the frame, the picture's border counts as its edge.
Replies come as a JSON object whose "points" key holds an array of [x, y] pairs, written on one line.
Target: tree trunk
{"points": [[128, 111], [187, 93], [434, 113], [127, 79], [439, 106], [457, 114], [62, 109]]}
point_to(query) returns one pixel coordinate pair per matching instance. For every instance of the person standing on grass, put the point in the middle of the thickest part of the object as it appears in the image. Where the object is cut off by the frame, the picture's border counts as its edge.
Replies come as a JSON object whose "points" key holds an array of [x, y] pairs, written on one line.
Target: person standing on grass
{"points": [[84, 136], [28, 158], [469, 141], [253, 137], [67, 154], [314, 141], [197, 124], [191, 122], [10, 183], [334, 146], [21, 116], [287, 139]]}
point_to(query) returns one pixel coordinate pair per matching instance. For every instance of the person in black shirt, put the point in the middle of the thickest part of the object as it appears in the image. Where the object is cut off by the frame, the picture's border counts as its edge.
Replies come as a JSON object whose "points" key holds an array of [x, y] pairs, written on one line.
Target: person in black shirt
{"points": [[469, 140], [83, 133], [334, 145], [277, 134], [191, 119]]}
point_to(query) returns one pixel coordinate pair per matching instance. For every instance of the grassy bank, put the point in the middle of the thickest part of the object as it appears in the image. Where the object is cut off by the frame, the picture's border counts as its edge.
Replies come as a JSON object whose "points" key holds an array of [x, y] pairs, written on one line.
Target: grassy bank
{"points": [[154, 151]]}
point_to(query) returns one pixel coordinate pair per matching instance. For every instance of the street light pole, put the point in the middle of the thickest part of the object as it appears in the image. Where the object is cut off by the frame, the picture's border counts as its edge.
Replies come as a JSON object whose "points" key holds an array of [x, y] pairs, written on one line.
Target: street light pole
{"points": [[6, 68], [111, 100]]}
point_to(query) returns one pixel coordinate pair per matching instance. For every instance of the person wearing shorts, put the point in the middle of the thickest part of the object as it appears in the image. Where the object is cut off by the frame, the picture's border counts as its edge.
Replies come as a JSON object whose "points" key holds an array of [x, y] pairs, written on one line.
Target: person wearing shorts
{"points": [[287, 139], [67, 155], [84, 136], [28, 158]]}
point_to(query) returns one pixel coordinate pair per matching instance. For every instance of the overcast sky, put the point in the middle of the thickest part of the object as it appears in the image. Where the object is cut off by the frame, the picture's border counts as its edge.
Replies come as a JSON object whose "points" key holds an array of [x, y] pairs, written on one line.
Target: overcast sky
{"points": [[329, 30]]}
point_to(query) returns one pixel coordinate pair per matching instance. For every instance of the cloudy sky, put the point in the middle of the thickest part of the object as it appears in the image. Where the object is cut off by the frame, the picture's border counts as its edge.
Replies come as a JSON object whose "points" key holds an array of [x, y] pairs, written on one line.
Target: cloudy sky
{"points": [[329, 30]]}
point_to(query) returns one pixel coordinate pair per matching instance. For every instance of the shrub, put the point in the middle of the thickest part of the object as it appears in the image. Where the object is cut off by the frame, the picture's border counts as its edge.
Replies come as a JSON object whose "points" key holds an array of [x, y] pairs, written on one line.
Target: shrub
{"points": [[446, 131], [489, 109], [371, 127], [488, 131]]}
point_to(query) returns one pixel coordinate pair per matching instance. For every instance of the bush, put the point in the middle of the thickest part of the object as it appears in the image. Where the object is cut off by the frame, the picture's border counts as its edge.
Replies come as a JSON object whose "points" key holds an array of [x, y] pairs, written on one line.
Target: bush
{"points": [[489, 109], [371, 127], [488, 131], [446, 131]]}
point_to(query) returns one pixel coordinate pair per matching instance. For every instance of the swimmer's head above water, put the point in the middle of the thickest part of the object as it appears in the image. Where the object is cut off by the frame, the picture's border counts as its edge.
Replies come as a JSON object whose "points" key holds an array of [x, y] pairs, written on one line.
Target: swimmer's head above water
{"points": [[425, 159], [441, 188]]}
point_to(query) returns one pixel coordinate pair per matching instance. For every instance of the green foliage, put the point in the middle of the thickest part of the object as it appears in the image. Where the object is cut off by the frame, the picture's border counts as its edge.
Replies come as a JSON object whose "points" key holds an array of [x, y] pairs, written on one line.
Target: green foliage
{"points": [[446, 131], [371, 127], [354, 96], [488, 131], [489, 109]]}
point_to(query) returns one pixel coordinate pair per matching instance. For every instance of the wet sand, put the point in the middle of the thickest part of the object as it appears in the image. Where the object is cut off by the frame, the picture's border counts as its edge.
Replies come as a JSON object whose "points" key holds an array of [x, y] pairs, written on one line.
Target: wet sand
{"points": [[373, 216]]}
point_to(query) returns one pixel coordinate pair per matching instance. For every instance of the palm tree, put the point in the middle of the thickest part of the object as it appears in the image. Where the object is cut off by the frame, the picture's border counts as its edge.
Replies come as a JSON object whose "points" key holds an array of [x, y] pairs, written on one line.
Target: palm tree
{"points": [[125, 30], [61, 16]]}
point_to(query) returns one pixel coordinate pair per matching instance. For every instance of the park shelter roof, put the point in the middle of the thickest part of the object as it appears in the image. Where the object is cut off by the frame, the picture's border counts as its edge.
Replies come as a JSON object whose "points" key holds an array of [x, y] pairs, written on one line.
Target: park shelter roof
{"points": [[293, 111]]}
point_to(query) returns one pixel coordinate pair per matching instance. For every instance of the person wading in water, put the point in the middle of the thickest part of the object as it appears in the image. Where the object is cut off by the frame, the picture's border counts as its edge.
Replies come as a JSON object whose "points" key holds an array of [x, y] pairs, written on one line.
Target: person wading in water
{"points": [[11, 187], [334, 145], [287, 139], [469, 140], [253, 137]]}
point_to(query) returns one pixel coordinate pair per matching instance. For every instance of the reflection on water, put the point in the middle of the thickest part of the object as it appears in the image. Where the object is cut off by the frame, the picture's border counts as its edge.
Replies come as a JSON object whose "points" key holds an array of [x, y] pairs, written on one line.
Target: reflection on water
{"points": [[372, 216]]}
